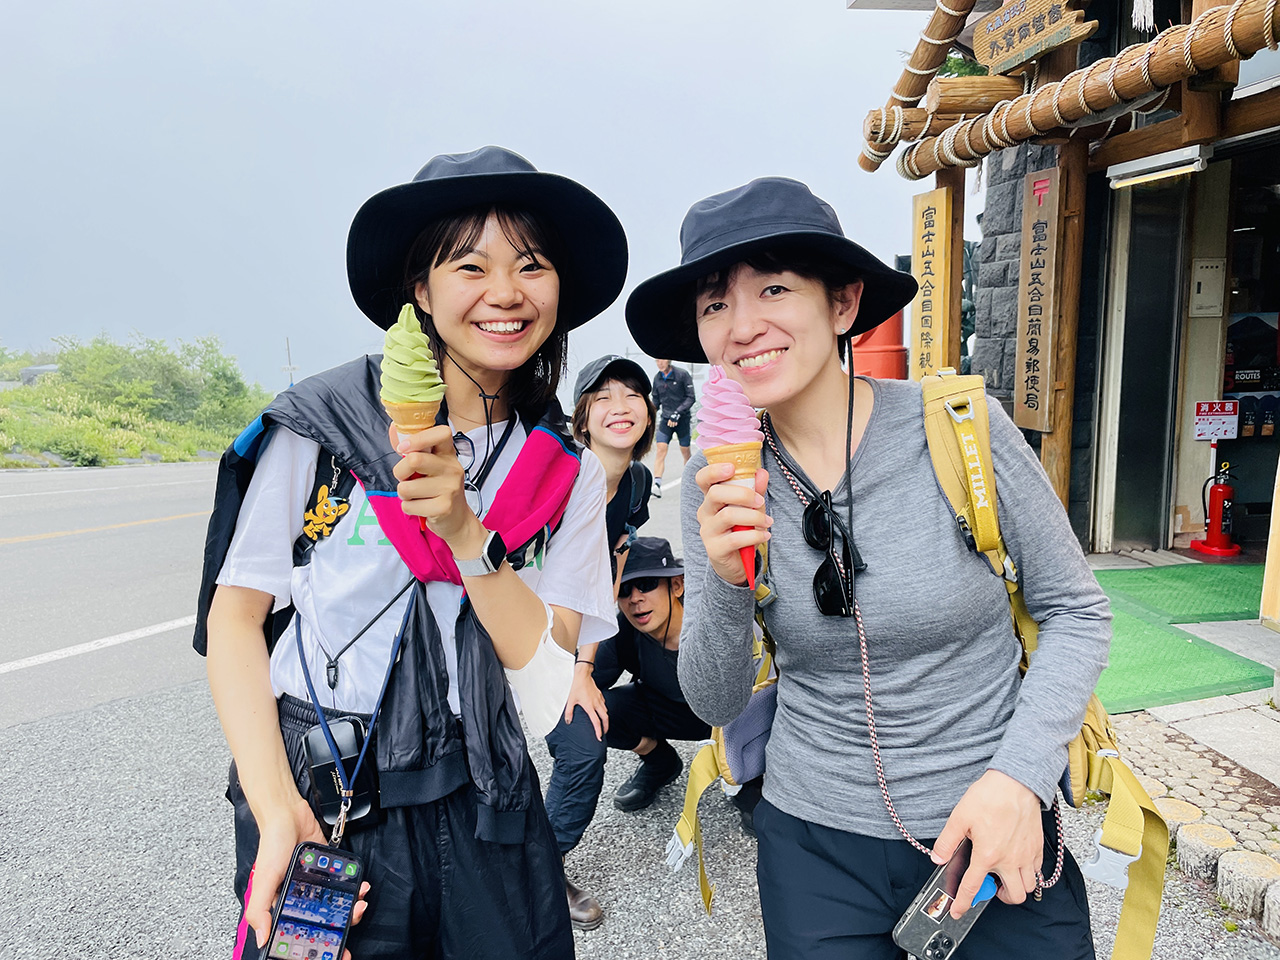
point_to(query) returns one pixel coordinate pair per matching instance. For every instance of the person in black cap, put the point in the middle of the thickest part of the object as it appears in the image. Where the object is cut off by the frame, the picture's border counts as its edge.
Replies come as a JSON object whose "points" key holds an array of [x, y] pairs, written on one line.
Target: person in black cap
{"points": [[900, 713], [614, 416], [641, 715], [445, 590], [674, 396]]}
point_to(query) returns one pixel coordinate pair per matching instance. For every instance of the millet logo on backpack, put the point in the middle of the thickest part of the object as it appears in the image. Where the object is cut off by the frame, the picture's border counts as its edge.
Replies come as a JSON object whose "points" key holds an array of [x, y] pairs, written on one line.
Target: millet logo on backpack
{"points": [[977, 478]]}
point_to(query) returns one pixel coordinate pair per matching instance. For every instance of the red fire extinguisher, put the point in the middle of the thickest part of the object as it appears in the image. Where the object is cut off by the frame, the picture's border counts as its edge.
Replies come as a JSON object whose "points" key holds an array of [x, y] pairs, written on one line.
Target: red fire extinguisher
{"points": [[1217, 510]]}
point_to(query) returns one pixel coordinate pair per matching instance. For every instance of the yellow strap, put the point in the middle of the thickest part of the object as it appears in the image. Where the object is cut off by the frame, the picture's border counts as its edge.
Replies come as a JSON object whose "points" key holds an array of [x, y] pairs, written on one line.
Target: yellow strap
{"points": [[958, 433], [1133, 823], [703, 772]]}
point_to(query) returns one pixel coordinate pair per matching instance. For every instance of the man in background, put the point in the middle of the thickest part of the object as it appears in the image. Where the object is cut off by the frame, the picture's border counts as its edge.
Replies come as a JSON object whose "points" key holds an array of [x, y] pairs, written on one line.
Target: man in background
{"points": [[673, 396]]}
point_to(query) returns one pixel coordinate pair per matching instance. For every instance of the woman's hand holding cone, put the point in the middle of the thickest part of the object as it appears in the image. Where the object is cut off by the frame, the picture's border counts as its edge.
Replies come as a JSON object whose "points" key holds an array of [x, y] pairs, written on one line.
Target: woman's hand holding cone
{"points": [[431, 487], [731, 517]]}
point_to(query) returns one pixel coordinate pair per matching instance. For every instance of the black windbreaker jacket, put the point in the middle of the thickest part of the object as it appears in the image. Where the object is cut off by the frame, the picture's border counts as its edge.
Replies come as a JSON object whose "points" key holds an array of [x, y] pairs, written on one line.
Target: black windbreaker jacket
{"points": [[418, 743]]}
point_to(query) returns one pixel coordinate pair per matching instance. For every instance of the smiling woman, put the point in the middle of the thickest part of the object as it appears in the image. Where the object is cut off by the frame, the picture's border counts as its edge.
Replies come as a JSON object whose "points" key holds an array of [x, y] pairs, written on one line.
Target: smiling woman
{"points": [[443, 620], [771, 289]]}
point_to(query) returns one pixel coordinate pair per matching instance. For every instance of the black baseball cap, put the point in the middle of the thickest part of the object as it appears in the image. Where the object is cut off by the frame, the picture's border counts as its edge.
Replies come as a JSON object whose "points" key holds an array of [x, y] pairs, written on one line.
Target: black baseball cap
{"points": [[596, 372]]}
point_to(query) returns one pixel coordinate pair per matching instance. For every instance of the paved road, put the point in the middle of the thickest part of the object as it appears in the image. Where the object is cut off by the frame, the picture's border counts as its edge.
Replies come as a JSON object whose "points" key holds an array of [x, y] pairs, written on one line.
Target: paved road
{"points": [[113, 829], [87, 555]]}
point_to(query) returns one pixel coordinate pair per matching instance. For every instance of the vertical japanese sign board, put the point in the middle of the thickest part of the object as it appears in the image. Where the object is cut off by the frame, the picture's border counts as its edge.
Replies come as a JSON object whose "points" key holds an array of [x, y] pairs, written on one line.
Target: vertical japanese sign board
{"points": [[930, 264], [1033, 375]]}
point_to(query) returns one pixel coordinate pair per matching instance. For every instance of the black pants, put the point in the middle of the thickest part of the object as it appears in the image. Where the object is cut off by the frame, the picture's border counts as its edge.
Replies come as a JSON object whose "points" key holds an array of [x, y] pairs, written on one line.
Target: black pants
{"points": [[435, 891], [635, 711], [828, 894]]}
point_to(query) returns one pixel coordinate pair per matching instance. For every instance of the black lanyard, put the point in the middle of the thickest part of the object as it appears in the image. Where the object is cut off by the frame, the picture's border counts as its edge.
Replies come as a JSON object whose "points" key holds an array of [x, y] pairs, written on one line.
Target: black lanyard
{"points": [[347, 791], [486, 466]]}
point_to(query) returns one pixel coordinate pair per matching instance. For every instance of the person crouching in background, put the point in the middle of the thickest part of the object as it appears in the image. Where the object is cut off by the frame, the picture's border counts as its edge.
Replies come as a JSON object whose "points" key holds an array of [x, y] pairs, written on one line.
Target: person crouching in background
{"points": [[640, 716]]}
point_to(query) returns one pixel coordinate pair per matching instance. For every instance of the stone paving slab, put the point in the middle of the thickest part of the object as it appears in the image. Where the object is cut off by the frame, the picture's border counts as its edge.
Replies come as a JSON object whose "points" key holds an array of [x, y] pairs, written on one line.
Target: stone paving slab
{"points": [[1248, 638]]}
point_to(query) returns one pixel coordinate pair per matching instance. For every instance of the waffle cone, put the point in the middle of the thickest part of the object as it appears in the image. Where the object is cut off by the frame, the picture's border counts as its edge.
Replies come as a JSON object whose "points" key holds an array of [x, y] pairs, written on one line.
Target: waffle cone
{"points": [[410, 418], [745, 458]]}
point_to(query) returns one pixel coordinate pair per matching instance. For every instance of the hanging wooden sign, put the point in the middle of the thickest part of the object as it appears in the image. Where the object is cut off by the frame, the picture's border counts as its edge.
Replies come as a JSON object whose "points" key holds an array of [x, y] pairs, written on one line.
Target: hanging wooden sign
{"points": [[1026, 29], [1037, 301], [930, 264]]}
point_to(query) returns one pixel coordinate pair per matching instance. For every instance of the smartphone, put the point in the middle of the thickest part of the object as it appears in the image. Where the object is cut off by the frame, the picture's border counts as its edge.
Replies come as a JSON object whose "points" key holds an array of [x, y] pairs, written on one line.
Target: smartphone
{"points": [[313, 913], [927, 930]]}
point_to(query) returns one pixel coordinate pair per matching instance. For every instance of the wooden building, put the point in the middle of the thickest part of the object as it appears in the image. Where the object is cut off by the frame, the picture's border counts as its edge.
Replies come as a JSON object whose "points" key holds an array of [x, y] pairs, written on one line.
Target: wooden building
{"points": [[1130, 262]]}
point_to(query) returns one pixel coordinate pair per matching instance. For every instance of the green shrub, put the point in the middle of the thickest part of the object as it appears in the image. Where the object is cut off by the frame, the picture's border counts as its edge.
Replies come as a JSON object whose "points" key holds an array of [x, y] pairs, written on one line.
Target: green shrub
{"points": [[110, 401]]}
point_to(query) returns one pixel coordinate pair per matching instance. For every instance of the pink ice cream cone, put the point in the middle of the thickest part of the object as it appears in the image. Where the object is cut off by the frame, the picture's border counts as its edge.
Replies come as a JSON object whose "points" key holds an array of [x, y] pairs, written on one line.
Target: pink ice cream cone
{"points": [[728, 432]]}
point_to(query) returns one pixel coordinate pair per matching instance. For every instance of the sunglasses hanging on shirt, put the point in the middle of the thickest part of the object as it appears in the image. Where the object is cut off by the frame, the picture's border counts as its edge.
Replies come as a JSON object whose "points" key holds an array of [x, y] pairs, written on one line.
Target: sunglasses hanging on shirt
{"points": [[823, 530]]}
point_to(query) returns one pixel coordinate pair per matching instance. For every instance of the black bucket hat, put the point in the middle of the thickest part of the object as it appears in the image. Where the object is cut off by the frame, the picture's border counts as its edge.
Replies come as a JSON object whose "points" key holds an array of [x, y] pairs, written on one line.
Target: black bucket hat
{"points": [[595, 372], [651, 557], [386, 226], [727, 228]]}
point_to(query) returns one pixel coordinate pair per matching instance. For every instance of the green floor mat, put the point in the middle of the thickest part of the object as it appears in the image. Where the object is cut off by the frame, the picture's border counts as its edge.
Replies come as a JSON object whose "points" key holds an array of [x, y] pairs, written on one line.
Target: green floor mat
{"points": [[1189, 592], [1153, 664]]}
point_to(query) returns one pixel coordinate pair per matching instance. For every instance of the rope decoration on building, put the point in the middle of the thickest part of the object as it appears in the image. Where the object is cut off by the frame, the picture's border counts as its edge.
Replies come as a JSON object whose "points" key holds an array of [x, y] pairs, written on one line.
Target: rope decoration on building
{"points": [[1215, 37], [944, 27]]}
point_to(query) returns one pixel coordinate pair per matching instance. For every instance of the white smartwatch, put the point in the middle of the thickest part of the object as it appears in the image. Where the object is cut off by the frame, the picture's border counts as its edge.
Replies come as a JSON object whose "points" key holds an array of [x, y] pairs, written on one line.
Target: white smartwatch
{"points": [[491, 557]]}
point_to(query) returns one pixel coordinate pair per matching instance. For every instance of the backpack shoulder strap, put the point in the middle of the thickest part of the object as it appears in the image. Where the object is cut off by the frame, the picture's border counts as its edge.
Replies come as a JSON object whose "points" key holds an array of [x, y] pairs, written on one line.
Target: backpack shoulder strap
{"points": [[958, 432], [959, 437], [640, 480]]}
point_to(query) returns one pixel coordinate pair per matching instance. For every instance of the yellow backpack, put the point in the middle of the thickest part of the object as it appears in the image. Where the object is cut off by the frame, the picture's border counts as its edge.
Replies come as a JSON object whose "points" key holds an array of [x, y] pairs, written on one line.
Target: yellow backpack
{"points": [[1133, 843]]}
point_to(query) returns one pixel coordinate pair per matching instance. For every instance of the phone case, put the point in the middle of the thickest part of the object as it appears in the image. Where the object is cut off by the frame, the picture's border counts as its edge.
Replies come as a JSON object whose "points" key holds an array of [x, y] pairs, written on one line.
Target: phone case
{"points": [[326, 787], [312, 915], [927, 930]]}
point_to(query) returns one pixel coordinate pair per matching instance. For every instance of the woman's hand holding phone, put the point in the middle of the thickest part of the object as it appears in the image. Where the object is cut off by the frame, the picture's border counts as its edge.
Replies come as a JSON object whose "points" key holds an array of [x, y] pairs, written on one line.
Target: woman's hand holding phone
{"points": [[278, 835], [1002, 818], [431, 486], [725, 506]]}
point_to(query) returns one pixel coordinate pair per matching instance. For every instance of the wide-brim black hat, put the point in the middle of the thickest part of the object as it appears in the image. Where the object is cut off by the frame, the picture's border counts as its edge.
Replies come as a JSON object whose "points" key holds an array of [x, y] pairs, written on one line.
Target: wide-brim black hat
{"points": [[725, 229], [593, 373], [387, 224]]}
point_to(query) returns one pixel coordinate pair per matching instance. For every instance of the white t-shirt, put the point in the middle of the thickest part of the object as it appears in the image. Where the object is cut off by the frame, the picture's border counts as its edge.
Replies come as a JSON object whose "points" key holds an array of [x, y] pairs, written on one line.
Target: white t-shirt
{"points": [[356, 570]]}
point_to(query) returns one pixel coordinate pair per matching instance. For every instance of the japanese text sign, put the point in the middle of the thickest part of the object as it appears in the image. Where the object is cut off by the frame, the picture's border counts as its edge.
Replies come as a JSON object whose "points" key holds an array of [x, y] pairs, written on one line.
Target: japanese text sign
{"points": [[1026, 29], [1033, 383], [930, 263], [1217, 419]]}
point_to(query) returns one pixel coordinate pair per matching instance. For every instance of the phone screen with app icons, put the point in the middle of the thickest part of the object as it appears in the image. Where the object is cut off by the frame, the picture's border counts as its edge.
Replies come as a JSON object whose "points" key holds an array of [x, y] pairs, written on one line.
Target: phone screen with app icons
{"points": [[320, 892]]}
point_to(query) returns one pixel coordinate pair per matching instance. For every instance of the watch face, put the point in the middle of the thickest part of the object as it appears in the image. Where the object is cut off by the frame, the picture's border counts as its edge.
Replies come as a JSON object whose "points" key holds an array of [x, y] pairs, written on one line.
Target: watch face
{"points": [[495, 550]]}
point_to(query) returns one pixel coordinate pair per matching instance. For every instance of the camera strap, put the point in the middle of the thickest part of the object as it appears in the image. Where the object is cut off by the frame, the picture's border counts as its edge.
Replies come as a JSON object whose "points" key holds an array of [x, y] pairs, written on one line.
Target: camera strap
{"points": [[348, 790]]}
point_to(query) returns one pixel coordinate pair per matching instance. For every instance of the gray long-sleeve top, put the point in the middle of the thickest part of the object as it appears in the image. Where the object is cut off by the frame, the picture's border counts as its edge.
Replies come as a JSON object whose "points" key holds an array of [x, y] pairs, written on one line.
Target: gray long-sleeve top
{"points": [[948, 699]]}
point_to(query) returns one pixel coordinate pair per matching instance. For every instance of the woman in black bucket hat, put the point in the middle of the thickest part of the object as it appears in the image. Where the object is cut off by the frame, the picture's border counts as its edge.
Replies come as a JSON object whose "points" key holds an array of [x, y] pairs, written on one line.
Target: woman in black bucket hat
{"points": [[905, 632], [429, 587]]}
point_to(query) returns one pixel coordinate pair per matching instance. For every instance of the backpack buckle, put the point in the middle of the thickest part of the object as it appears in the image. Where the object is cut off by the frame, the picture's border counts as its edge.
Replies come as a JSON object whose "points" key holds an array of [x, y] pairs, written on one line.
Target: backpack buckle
{"points": [[957, 416], [1107, 865], [967, 532], [1011, 573]]}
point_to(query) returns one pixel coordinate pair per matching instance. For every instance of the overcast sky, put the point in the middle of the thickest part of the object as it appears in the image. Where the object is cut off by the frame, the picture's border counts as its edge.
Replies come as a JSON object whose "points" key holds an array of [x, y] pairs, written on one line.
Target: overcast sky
{"points": [[186, 169]]}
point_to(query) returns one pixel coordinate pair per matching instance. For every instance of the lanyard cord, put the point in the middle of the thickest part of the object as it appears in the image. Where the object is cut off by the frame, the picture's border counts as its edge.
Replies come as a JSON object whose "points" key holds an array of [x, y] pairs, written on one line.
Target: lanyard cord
{"points": [[491, 459], [331, 664], [799, 488], [324, 722]]}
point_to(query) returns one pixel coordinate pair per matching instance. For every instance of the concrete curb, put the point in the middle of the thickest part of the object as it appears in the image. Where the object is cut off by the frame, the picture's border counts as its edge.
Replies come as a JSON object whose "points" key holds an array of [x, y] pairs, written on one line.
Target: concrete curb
{"points": [[1224, 820]]}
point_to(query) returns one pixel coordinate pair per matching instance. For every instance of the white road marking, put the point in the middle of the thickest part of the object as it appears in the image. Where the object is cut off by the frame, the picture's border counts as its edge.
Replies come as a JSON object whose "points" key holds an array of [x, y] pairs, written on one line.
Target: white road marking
{"points": [[672, 485], [92, 645], [135, 486]]}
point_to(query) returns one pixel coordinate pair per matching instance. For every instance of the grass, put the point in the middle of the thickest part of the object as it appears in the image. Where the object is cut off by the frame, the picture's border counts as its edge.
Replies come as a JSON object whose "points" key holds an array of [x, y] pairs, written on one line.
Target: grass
{"points": [[57, 417]]}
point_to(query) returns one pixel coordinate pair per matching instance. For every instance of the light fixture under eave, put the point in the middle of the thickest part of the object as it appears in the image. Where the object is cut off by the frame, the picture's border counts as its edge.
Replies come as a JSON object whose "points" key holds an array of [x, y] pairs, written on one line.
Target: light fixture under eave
{"points": [[1178, 171], [1174, 163]]}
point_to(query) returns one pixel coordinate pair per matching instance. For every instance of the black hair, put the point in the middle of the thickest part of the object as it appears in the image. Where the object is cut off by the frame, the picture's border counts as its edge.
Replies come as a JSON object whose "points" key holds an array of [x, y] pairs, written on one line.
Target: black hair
{"points": [[628, 378], [534, 383], [790, 257]]}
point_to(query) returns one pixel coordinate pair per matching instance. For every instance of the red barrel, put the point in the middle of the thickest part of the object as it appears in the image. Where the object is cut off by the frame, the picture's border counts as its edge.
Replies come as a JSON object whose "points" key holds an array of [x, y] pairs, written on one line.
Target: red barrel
{"points": [[879, 352]]}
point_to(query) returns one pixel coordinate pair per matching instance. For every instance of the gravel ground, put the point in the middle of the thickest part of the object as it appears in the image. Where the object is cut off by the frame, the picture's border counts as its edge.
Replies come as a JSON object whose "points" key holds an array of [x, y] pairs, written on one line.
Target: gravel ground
{"points": [[118, 841]]}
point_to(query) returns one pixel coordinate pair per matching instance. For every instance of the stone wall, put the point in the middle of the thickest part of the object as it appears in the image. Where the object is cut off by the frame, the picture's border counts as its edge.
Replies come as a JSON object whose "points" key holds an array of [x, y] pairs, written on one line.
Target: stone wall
{"points": [[996, 300]]}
